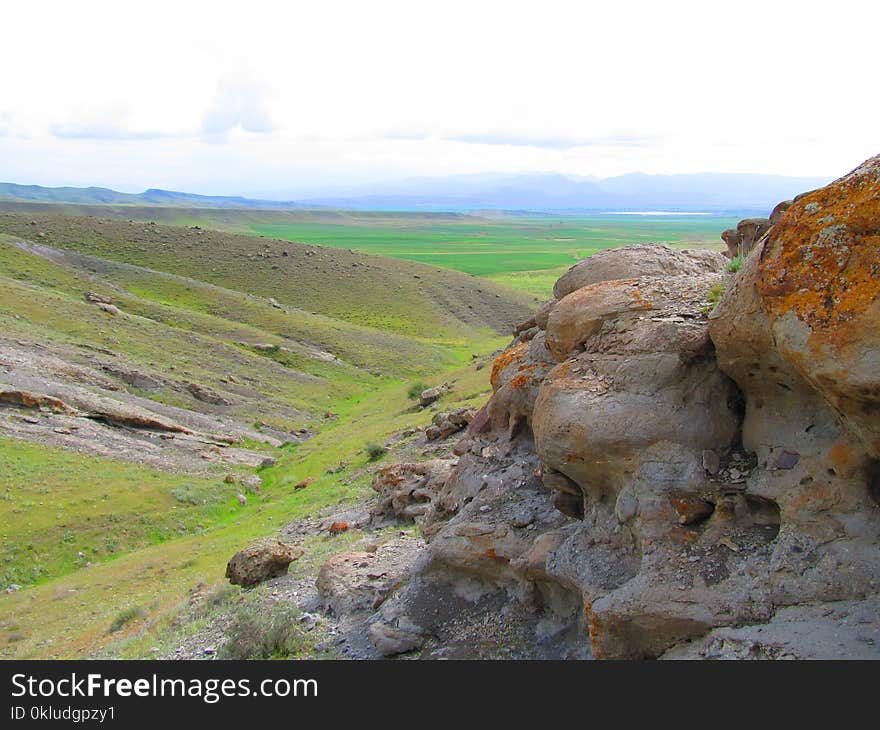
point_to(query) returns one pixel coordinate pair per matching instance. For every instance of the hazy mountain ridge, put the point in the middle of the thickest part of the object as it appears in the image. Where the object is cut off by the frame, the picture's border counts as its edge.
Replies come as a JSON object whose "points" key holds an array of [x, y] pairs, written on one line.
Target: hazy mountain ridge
{"points": [[106, 196], [699, 192]]}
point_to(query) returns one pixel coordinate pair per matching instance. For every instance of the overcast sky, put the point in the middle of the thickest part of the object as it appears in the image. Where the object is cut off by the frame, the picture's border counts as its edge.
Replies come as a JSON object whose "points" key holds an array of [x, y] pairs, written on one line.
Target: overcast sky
{"points": [[272, 98]]}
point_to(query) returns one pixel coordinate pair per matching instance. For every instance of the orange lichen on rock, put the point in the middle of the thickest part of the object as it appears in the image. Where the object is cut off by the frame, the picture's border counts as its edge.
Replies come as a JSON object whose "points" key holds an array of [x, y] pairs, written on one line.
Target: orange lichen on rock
{"points": [[822, 259], [840, 455], [509, 356], [639, 300], [25, 399], [520, 381]]}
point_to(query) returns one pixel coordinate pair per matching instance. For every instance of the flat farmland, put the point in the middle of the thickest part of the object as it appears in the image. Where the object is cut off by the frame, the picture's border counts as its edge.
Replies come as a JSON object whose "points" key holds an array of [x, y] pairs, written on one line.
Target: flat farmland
{"points": [[526, 253]]}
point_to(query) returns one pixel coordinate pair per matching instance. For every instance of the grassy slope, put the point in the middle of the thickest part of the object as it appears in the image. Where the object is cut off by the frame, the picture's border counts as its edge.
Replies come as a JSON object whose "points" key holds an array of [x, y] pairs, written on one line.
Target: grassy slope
{"points": [[150, 535], [427, 303], [71, 615], [61, 510], [491, 247]]}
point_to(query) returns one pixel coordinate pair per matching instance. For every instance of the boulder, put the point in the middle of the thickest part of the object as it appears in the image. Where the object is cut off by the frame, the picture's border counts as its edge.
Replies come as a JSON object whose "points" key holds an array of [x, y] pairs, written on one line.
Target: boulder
{"points": [[429, 396], [447, 423], [94, 298], [406, 490], [630, 262], [359, 581], [733, 240], [260, 561], [109, 308], [206, 395], [390, 640]]}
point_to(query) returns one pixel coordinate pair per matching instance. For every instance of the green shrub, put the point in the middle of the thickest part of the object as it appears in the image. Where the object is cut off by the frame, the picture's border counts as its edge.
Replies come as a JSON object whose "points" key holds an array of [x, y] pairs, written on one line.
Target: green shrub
{"points": [[375, 451], [415, 389], [735, 264], [716, 291], [218, 598], [264, 633], [125, 617], [199, 495]]}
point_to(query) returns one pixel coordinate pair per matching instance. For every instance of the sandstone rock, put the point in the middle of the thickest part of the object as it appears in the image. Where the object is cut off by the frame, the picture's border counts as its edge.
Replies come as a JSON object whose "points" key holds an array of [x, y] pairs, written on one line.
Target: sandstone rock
{"points": [[796, 331], [360, 581], [133, 377], [733, 239], [406, 490], [447, 423], [776, 214], [95, 298], [429, 396], [252, 483], [260, 561], [630, 262], [109, 308], [206, 395], [391, 641], [750, 231], [27, 399]]}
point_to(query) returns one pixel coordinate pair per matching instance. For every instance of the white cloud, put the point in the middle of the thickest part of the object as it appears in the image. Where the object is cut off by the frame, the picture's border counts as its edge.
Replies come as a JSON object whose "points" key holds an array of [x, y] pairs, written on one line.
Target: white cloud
{"points": [[240, 103], [559, 143], [107, 121], [282, 95]]}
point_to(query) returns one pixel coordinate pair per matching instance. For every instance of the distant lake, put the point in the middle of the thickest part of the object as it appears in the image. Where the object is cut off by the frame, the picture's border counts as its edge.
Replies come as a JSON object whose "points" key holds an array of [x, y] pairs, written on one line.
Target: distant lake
{"points": [[651, 212]]}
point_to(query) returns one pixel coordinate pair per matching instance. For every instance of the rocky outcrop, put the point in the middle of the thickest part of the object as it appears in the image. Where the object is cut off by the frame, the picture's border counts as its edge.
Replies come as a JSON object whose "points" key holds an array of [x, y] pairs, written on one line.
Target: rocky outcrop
{"points": [[206, 395], [742, 239], [26, 399], [446, 423], [406, 490], [260, 561], [645, 473], [630, 262]]}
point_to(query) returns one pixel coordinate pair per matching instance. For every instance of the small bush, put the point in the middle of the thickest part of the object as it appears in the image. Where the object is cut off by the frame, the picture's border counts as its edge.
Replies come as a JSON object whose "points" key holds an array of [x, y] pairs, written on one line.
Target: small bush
{"points": [[264, 633], [375, 451], [735, 264], [716, 291], [415, 389], [218, 598], [199, 495], [125, 617]]}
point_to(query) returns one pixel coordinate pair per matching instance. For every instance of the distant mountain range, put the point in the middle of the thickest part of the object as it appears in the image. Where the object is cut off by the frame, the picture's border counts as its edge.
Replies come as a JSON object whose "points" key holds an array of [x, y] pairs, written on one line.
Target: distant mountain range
{"points": [[699, 192], [153, 196]]}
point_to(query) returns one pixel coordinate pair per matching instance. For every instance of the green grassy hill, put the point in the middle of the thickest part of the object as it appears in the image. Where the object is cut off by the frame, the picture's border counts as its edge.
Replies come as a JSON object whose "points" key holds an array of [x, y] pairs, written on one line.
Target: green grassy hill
{"points": [[333, 352], [428, 303]]}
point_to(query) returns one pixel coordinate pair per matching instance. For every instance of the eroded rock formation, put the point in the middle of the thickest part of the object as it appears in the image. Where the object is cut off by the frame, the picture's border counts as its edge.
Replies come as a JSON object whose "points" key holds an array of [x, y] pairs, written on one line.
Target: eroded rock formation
{"points": [[647, 473]]}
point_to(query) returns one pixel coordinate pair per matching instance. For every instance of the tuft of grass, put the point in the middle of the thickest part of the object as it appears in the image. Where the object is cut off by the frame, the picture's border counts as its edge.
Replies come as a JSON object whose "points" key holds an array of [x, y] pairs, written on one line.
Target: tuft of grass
{"points": [[735, 264], [261, 633], [375, 451], [415, 389], [716, 291], [125, 617]]}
